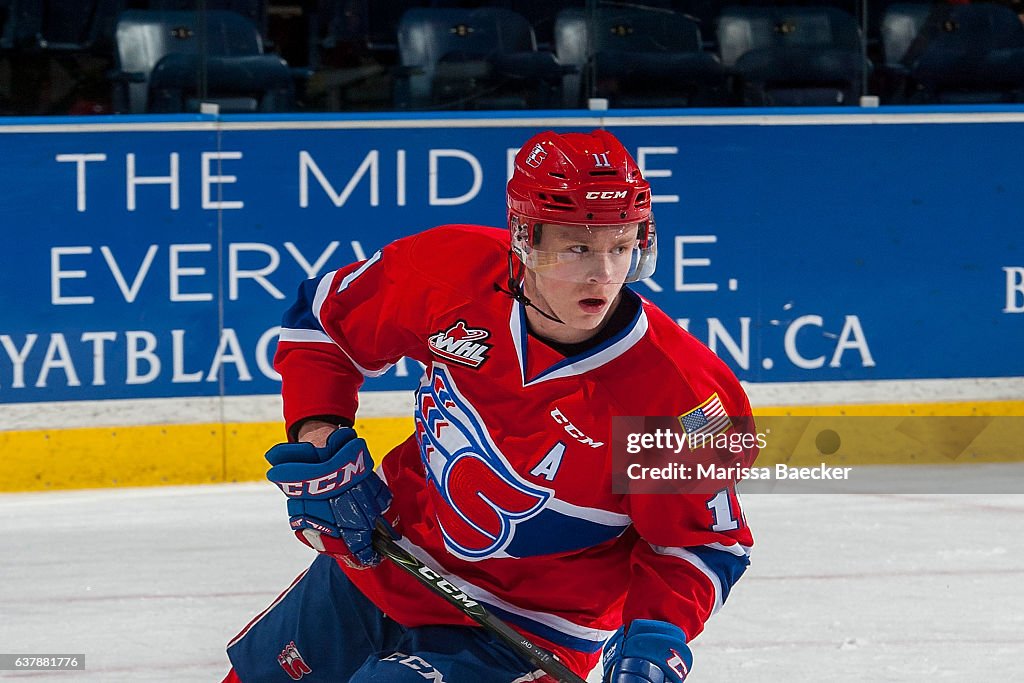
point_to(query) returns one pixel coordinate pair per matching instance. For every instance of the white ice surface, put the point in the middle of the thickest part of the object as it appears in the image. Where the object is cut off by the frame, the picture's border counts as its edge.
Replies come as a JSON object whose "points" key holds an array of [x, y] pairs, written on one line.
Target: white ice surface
{"points": [[151, 583]]}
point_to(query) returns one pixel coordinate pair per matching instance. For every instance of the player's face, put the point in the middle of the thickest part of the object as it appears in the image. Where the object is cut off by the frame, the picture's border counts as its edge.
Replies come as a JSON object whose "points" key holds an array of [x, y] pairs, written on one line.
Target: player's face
{"points": [[577, 273]]}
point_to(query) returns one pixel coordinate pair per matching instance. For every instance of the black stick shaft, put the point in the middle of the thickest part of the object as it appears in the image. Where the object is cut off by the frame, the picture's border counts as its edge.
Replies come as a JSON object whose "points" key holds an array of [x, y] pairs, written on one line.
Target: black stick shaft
{"points": [[522, 646]]}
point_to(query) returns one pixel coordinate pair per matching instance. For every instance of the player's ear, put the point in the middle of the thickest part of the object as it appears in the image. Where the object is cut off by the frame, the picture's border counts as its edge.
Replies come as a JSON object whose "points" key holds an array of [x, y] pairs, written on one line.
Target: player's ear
{"points": [[537, 232]]}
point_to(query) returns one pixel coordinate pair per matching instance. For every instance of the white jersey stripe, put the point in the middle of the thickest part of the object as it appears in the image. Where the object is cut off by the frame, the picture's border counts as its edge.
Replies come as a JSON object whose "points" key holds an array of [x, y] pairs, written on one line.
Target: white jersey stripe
{"points": [[517, 328], [289, 334], [323, 290], [347, 280], [734, 549], [596, 515]]}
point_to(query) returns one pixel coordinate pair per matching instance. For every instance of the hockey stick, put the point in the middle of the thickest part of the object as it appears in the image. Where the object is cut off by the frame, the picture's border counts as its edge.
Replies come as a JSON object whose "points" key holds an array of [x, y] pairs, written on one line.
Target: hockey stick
{"points": [[522, 646]]}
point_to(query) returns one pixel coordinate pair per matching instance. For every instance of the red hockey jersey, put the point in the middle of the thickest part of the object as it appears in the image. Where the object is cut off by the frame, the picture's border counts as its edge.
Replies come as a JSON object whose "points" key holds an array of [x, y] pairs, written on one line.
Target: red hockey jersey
{"points": [[505, 487]]}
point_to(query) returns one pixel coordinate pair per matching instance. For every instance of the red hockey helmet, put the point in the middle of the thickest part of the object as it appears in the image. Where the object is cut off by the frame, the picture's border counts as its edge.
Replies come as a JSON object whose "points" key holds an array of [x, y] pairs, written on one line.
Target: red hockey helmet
{"points": [[580, 179]]}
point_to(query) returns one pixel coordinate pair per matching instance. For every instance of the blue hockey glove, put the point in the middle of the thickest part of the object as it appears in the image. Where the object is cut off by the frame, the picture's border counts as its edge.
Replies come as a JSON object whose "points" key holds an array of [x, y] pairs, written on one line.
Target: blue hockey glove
{"points": [[334, 496], [648, 651]]}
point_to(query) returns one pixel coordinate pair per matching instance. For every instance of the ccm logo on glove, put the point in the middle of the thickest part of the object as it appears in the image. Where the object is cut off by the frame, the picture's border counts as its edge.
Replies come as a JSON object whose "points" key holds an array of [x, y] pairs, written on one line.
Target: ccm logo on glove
{"points": [[327, 483], [677, 664]]}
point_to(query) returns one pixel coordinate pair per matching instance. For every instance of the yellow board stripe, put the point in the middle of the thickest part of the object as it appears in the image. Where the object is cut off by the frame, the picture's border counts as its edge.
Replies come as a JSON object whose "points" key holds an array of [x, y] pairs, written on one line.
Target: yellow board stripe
{"points": [[893, 434], [943, 409], [97, 457]]}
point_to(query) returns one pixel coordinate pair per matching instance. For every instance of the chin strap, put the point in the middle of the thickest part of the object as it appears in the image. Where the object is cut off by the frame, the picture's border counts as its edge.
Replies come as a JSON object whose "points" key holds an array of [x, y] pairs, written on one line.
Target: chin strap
{"points": [[515, 290]]}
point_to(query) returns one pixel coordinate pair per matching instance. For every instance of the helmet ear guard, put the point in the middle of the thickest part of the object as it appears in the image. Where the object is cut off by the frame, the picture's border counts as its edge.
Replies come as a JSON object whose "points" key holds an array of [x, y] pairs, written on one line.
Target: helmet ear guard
{"points": [[521, 237], [646, 254]]}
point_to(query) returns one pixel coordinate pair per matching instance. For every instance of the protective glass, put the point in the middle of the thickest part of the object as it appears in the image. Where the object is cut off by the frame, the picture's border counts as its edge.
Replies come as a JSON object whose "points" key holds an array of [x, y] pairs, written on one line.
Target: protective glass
{"points": [[598, 254]]}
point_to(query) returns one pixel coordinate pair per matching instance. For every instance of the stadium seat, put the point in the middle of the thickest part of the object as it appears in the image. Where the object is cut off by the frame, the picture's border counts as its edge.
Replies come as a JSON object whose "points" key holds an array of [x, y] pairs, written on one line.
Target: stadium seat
{"points": [[899, 27], [640, 58], [542, 15], [793, 56], [482, 58], [8, 25], [967, 54], [160, 68]]}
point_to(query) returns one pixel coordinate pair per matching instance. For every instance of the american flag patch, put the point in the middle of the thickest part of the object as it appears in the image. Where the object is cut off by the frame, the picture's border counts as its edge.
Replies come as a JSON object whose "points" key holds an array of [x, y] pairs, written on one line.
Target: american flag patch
{"points": [[707, 418]]}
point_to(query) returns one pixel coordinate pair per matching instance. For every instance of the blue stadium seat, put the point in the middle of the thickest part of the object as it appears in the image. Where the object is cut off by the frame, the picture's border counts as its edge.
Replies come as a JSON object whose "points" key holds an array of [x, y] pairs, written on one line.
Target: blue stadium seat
{"points": [[160, 68], [793, 56], [542, 15], [967, 54], [638, 57], [482, 58], [8, 25], [900, 25]]}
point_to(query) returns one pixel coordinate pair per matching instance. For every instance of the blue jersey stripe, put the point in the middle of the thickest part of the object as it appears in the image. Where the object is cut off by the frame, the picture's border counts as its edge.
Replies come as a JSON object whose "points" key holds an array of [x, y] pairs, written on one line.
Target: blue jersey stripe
{"points": [[534, 536], [726, 566], [300, 315]]}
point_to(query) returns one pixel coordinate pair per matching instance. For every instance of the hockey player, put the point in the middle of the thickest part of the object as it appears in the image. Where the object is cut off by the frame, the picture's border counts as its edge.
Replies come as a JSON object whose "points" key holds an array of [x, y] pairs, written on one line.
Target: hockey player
{"points": [[531, 344]]}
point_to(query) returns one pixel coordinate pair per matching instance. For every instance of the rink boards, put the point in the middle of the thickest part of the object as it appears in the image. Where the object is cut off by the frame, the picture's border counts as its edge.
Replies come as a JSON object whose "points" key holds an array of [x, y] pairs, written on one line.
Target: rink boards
{"points": [[867, 261]]}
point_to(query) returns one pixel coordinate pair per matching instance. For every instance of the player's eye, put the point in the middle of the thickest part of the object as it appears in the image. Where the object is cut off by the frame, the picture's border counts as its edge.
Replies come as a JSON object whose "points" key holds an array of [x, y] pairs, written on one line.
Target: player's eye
{"points": [[579, 249]]}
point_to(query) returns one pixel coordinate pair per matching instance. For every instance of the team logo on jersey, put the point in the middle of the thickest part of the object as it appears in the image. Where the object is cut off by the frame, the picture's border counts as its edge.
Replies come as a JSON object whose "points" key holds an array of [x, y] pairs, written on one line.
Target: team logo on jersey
{"points": [[461, 344], [477, 496], [292, 663]]}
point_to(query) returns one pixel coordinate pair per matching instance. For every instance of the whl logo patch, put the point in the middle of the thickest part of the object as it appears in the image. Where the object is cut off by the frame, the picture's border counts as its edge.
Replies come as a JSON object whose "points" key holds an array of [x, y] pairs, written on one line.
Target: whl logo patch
{"points": [[461, 344]]}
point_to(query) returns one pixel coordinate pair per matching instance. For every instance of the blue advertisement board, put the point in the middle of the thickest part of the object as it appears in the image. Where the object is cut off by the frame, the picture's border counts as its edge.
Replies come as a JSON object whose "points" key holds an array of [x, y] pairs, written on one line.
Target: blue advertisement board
{"points": [[155, 260]]}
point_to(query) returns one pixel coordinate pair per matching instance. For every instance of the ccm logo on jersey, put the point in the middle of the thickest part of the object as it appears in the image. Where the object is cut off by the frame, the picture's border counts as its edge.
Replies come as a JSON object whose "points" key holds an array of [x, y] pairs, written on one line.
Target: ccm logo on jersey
{"points": [[292, 663], [461, 344], [574, 431], [327, 483], [608, 194]]}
